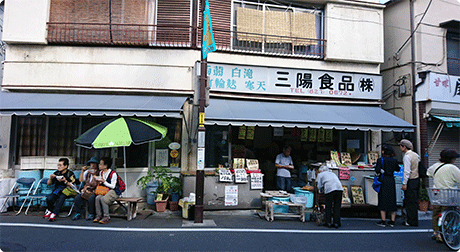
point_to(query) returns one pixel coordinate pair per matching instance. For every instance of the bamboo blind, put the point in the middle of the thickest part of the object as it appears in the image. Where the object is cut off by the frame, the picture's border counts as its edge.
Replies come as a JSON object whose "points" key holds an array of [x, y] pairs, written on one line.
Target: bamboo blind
{"points": [[276, 23]]}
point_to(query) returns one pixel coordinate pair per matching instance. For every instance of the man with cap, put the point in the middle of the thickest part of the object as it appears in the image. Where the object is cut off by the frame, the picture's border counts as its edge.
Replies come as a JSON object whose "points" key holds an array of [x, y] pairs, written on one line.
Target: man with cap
{"points": [[445, 176], [411, 182]]}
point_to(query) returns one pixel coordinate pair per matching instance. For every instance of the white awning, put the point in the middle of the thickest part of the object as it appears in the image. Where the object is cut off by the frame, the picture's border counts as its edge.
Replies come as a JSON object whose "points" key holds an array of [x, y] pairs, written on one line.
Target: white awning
{"points": [[90, 104], [302, 115]]}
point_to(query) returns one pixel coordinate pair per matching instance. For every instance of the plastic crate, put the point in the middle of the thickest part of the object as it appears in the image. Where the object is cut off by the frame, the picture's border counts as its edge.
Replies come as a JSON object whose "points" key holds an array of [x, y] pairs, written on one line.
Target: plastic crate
{"points": [[309, 195], [280, 209], [444, 197]]}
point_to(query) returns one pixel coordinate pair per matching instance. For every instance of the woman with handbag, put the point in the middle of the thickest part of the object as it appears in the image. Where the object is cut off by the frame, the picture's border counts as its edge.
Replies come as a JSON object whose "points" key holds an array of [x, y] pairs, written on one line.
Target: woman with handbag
{"points": [[385, 168], [106, 191], [87, 176]]}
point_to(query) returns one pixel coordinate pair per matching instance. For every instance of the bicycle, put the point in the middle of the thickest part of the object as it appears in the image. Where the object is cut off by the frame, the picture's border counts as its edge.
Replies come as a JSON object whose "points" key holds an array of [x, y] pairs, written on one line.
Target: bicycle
{"points": [[449, 221]]}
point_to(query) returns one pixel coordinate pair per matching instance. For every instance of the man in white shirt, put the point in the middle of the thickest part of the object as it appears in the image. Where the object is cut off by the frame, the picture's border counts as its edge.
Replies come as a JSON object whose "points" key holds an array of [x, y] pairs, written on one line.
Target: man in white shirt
{"points": [[284, 163], [411, 182]]}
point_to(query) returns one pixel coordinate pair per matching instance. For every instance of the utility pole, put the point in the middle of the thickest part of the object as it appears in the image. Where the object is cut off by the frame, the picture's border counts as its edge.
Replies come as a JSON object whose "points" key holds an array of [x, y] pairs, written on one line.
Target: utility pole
{"points": [[413, 77], [199, 186]]}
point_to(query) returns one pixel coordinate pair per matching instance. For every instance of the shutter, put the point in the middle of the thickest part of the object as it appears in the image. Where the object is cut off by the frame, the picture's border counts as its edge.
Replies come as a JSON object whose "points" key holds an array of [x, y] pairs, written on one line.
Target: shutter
{"points": [[173, 21], [221, 12], [128, 20], [449, 138]]}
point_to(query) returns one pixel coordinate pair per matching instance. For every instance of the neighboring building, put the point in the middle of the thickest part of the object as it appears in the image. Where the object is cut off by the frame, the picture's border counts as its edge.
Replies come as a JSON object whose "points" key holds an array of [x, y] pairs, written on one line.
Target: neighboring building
{"points": [[437, 71], [289, 68]]}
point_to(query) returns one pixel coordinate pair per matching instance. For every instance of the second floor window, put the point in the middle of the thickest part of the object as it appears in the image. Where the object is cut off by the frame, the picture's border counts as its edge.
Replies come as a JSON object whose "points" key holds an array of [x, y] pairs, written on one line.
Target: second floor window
{"points": [[453, 54]]}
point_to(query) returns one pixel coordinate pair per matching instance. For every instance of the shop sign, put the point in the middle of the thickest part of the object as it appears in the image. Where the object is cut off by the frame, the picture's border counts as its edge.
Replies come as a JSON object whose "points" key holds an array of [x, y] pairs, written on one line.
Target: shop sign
{"points": [[442, 87], [241, 176], [174, 146], [161, 157], [231, 195], [200, 159], [225, 175], [257, 181], [293, 82]]}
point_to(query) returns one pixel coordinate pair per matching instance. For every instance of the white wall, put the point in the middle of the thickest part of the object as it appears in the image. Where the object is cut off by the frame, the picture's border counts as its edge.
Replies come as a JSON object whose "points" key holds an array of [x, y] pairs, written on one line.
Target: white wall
{"points": [[25, 21], [354, 33], [5, 128]]}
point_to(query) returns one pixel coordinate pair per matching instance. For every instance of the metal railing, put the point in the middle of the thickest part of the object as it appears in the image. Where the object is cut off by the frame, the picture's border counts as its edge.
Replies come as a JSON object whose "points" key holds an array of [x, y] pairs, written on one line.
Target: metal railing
{"points": [[182, 36], [453, 66]]}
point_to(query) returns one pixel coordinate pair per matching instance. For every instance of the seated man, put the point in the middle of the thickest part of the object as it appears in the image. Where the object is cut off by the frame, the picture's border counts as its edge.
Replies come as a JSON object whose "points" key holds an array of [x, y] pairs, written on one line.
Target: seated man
{"points": [[61, 178]]}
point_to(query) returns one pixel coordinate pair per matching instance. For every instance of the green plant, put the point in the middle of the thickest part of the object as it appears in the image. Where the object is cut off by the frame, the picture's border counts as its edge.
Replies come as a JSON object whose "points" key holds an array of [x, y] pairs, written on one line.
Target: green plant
{"points": [[176, 186], [423, 196], [144, 180], [167, 182]]}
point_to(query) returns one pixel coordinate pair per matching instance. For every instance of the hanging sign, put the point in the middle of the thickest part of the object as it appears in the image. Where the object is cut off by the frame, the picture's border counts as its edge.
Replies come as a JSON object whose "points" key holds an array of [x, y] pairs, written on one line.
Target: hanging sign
{"points": [[320, 135], [241, 176], [257, 181], [200, 159], [329, 135], [225, 175], [312, 135], [231, 195], [250, 132], [304, 135], [242, 132]]}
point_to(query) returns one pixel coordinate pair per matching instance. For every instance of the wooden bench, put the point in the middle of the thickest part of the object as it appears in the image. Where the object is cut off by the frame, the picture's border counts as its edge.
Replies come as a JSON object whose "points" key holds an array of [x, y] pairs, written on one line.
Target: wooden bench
{"points": [[131, 210]]}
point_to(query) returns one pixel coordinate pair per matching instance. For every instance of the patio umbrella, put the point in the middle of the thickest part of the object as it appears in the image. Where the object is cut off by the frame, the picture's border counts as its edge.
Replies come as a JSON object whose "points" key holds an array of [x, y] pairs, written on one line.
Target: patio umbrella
{"points": [[121, 132]]}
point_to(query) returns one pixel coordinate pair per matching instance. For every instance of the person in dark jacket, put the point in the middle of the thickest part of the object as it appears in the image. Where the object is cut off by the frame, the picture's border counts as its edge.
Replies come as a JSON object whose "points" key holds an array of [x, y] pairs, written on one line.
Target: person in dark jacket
{"points": [[385, 168]]}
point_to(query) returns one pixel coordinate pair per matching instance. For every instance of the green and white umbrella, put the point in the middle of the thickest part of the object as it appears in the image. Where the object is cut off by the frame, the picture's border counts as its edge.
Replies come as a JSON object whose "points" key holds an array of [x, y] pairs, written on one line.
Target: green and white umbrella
{"points": [[121, 132]]}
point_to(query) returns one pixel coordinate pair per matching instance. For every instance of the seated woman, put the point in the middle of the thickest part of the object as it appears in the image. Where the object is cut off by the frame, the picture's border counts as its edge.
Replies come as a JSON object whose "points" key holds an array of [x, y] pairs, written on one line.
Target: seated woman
{"points": [[87, 176], [109, 179]]}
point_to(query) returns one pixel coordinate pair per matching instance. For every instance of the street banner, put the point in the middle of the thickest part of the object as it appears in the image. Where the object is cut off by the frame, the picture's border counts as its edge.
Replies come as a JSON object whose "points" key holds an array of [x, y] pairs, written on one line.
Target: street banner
{"points": [[208, 43]]}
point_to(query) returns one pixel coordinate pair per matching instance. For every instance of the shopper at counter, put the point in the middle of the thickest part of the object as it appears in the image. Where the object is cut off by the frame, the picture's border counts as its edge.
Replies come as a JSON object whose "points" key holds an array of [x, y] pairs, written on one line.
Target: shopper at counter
{"points": [[330, 184], [446, 176], [385, 168], [284, 163], [411, 182]]}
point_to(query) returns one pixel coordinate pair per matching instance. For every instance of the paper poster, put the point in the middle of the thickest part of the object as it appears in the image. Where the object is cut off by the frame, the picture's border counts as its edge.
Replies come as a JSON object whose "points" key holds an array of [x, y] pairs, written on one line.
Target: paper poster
{"points": [[257, 181], [345, 198], [252, 164], [250, 132], [321, 135], [200, 159], [238, 163], [344, 173], [278, 131], [304, 135], [225, 175], [312, 135], [242, 132], [328, 135], [241, 176], [335, 157], [161, 157], [231, 195], [346, 158], [357, 194]]}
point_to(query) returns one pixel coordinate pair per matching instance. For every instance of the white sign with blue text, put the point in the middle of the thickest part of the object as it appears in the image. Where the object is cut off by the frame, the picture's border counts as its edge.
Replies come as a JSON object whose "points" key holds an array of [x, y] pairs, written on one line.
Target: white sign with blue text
{"points": [[295, 82]]}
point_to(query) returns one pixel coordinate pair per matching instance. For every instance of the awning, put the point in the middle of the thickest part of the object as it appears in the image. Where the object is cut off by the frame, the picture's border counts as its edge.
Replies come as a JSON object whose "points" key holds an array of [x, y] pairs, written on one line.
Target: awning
{"points": [[279, 114], [449, 120], [90, 104]]}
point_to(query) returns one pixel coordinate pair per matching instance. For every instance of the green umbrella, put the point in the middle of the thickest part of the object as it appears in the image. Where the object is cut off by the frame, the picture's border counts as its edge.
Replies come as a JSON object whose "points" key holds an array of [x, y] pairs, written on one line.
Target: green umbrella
{"points": [[121, 132]]}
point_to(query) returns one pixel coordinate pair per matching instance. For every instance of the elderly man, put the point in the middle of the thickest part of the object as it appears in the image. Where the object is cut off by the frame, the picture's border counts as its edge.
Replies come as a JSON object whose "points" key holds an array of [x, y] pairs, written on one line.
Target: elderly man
{"points": [[332, 187], [411, 182]]}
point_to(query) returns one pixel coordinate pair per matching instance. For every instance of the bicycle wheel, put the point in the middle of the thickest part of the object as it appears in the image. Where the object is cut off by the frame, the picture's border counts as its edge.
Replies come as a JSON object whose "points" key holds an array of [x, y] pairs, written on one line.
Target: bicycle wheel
{"points": [[450, 226]]}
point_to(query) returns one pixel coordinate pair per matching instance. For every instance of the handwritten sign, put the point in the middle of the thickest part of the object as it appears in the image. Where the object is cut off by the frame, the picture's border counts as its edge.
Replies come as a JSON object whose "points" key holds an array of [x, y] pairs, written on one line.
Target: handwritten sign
{"points": [[231, 196], [321, 135], [238, 163], [241, 176], [344, 173], [257, 181], [329, 135], [225, 175], [346, 158], [372, 156], [357, 194], [252, 164], [304, 135], [250, 132], [242, 132]]}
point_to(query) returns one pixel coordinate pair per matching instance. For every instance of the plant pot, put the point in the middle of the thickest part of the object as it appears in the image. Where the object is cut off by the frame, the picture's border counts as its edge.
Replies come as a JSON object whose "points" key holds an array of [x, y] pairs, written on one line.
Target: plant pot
{"points": [[423, 205], [174, 197], [161, 204], [173, 205]]}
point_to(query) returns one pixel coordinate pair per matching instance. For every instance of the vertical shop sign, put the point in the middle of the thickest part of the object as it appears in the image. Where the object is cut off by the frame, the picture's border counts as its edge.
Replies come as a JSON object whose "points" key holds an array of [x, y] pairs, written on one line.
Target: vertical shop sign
{"points": [[231, 195], [320, 135], [241, 176], [242, 132], [200, 159], [312, 135], [329, 135], [250, 132], [256, 181], [304, 135]]}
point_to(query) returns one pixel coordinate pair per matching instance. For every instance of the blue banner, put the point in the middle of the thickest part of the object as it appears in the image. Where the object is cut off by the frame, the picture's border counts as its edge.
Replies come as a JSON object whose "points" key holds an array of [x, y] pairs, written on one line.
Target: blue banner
{"points": [[208, 43]]}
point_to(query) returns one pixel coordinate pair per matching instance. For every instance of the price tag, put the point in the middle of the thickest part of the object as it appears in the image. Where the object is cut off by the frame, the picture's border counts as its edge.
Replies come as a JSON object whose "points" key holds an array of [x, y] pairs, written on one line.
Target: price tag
{"points": [[225, 175], [241, 176], [257, 181]]}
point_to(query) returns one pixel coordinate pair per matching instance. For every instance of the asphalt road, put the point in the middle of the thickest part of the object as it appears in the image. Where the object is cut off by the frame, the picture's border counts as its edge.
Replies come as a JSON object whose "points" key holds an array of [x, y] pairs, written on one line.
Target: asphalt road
{"points": [[230, 233]]}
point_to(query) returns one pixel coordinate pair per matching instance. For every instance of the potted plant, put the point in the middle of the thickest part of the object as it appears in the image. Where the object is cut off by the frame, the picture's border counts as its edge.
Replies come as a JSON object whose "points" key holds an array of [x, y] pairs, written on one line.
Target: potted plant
{"points": [[162, 176], [424, 200], [176, 193]]}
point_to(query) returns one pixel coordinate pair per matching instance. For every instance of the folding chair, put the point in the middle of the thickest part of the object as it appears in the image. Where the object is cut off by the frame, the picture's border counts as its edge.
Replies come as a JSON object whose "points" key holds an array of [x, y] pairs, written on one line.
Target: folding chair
{"points": [[80, 186], [41, 191], [21, 188]]}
